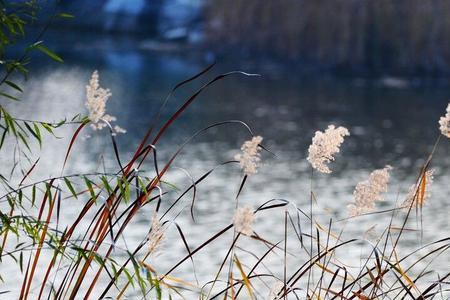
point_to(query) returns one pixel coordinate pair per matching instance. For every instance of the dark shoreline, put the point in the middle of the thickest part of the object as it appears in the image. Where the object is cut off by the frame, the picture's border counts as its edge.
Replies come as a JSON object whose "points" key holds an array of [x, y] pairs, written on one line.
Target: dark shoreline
{"points": [[61, 41]]}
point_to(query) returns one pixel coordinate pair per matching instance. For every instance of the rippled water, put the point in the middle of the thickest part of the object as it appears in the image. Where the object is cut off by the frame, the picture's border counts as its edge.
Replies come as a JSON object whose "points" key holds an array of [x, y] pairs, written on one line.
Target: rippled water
{"points": [[390, 123]]}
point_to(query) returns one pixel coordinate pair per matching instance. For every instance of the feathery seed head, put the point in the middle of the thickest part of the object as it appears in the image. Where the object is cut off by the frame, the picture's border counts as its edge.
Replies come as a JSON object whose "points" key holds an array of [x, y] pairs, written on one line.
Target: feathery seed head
{"points": [[243, 220], [419, 192], [96, 98], [118, 129], [250, 157], [324, 146], [444, 123], [155, 236], [369, 191]]}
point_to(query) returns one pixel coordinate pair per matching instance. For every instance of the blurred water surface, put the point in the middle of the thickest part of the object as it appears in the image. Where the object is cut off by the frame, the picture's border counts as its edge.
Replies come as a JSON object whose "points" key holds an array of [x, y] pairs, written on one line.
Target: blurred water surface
{"points": [[391, 121]]}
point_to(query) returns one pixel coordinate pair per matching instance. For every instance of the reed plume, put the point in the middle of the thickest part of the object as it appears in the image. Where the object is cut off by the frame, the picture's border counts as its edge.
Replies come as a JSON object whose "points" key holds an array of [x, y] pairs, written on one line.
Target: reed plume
{"points": [[420, 192], [368, 192], [243, 220], [155, 236], [250, 156], [324, 146], [444, 123], [96, 98]]}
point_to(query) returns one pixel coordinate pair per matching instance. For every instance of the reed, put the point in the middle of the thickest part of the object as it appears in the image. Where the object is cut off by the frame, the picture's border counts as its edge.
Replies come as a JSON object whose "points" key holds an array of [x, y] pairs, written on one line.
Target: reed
{"points": [[90, 255], [84, 259]]}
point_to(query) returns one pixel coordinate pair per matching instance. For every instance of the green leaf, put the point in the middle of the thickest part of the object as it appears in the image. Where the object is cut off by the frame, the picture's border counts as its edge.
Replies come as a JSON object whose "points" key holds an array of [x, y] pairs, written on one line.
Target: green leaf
{"points": [[60, 123], [127, 194], [142, 186], [70, 187], [137, 272], [129, 277], [49, 53], [124, 187], [20, 195], [33, 195], [21, 262], [9, 96], [48, 190], [21, 68], [9, 123], [13, 85], [158, 289], [36, 135], [171, 185], [2, 139], [106, 185], [89, 186], [65, 15], [49, 128]]}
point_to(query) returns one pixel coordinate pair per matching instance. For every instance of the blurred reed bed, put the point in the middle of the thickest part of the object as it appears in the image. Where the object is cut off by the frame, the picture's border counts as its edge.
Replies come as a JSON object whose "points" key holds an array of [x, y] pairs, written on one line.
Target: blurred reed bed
{"points": [[375, 37], [86, 257]]}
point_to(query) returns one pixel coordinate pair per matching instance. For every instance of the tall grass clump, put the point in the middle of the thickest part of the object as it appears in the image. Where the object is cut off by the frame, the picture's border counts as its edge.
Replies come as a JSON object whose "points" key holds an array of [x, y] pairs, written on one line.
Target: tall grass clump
{"points": [[86, 256], [96, 251]]}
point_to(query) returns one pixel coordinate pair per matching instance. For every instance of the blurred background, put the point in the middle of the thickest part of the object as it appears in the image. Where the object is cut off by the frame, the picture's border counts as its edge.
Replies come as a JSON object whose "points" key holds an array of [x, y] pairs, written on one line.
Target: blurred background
{"points": [[405, 37], [380, 68]]}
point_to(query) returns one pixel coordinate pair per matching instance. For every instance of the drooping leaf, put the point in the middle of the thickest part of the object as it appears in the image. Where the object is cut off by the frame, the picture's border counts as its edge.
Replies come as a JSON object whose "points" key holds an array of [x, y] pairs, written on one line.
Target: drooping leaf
{"points": [[65, 15], [48, 52], [13, 85], [70, 187], [9, 96]]}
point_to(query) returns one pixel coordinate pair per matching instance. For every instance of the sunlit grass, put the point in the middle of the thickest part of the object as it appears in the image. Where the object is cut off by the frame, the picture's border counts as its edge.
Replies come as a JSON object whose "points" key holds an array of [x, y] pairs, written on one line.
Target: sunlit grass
{"points": [[87, 256]]}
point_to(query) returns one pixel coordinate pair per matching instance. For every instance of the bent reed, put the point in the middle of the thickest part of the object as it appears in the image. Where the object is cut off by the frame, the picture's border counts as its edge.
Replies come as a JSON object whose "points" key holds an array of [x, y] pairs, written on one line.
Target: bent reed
{"points": [[83, 260]]}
